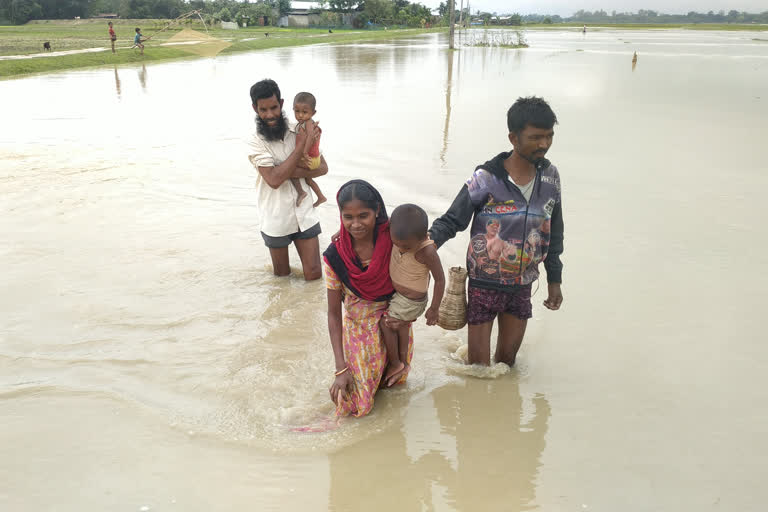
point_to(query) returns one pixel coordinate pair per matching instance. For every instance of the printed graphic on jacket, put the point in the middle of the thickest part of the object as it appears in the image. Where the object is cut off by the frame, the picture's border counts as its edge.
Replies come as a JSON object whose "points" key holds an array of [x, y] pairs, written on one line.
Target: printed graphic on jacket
{"points": [[510, 236]]}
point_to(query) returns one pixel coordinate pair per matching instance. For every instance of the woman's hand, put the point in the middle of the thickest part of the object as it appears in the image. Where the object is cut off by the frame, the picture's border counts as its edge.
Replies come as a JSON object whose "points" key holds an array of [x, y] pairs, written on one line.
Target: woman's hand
{"points": [[341, 384]]}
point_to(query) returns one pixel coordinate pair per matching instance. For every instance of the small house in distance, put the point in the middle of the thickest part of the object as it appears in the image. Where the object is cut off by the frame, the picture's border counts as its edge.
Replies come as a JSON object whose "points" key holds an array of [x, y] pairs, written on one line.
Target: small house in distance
{"points": [[302, 14]]}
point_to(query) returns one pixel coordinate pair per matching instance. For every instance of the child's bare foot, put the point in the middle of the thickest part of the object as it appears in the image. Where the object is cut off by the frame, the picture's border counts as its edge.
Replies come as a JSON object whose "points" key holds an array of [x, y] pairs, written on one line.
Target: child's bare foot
{"points": [[393, 369], [394, 373], [320, 200], [301, 197]]}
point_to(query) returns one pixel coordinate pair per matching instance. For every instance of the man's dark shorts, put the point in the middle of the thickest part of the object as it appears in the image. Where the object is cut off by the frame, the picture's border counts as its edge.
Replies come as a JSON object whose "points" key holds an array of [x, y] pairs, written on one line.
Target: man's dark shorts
{"points": [[485, 304], [278, 242]]}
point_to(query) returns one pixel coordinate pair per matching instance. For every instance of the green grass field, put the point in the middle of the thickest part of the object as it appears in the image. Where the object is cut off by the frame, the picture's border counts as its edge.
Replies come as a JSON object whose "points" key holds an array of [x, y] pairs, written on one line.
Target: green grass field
{"points": [[65, 35]]}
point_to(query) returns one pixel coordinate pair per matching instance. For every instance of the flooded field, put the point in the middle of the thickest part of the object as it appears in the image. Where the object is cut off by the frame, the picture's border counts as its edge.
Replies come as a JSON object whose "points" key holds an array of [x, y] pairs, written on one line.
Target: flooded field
{"points": [[149, 360]]}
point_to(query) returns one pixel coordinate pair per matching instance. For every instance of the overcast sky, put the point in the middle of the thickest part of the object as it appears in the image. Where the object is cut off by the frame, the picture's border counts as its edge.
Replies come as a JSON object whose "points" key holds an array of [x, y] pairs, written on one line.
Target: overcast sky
{"points": [[568, 7]]}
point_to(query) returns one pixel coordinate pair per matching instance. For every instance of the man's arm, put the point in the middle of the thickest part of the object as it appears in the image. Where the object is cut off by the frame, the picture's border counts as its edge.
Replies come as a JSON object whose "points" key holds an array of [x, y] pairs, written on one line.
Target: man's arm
{"points": [[456, 219], [303, 172], [276, 175], [552, 262]]}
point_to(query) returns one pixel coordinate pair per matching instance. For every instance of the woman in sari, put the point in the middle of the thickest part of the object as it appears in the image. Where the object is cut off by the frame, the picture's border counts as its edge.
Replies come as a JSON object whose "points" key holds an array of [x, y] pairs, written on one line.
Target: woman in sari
{"points": [[357, 278]]}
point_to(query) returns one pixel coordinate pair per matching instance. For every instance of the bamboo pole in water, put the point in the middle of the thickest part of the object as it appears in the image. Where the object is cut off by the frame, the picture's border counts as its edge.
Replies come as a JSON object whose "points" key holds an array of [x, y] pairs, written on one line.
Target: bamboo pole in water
{"points": [[452, 20]]}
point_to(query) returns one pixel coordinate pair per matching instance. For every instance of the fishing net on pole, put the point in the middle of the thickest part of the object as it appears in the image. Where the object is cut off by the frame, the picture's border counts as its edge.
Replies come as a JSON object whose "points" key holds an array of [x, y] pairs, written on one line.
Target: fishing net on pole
{"points": [[193, 41], [198, 43]]}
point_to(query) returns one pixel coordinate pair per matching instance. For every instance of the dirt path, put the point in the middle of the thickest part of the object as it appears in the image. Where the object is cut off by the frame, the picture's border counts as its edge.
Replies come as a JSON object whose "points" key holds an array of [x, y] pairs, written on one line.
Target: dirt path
{"points": [[87, 50]]}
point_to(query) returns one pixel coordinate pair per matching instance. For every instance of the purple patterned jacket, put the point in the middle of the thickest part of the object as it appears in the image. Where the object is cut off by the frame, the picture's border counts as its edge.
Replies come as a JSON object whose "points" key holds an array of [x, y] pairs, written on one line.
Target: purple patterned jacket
{"points": [[509, 236]]}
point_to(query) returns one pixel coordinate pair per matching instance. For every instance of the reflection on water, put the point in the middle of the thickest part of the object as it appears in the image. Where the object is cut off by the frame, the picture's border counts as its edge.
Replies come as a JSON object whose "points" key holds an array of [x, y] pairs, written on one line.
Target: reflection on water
{"points": [[500, 471], [358, 475], [117, 84], [359, 62], [143, 77], [448, 85], [449, 456], [519, 58]]}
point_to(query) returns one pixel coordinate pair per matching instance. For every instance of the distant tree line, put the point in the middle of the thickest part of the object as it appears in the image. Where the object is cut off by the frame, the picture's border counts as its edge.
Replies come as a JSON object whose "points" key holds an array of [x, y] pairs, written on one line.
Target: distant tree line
{"points": [[640, 17], [581, 16], [21, 11], [387, 12], [648, 16]]}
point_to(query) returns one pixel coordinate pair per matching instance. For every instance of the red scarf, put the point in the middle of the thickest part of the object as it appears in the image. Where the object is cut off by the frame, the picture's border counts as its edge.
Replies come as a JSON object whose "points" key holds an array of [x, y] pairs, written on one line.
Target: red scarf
{"points": [[373, 282]]}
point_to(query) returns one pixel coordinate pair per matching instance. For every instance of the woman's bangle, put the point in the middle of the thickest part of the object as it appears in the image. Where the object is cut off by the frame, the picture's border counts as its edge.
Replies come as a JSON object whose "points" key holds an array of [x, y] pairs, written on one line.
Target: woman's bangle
{"points": [[342, 371]]}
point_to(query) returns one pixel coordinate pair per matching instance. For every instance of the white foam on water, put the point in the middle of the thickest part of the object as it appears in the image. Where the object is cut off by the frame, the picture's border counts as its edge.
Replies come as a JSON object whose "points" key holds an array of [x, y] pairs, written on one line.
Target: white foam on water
{"points": [[458, 364]]}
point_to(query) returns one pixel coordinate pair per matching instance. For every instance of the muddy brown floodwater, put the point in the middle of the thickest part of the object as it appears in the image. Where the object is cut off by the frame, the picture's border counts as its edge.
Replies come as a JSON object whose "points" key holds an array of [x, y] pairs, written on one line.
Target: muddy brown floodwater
{"points": [[149, 359]]}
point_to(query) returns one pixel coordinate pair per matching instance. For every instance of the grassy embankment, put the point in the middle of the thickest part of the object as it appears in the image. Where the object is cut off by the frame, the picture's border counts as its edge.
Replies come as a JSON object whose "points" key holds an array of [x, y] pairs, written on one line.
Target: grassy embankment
{"points": [[84, 34]]}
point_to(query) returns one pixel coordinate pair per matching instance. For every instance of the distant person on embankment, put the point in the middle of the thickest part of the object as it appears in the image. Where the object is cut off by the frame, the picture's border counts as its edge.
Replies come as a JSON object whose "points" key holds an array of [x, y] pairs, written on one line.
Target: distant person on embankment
{"points": [[112, 36], [517, 194], [279, 153], [137, 40]]}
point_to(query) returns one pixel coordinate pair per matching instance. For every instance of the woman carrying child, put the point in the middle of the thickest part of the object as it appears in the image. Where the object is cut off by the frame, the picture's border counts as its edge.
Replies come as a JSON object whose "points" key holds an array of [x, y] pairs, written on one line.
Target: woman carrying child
{"points": [[357, 277]]}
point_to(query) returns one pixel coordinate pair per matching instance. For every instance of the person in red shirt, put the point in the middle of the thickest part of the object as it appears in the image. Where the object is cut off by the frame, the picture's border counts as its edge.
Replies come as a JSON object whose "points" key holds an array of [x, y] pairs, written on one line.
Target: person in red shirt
{"points": [[112, 37]]}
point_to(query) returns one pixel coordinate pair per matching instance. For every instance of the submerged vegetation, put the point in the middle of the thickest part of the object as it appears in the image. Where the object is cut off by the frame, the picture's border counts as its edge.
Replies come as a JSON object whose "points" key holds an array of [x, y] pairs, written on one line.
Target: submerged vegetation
{"points": [[497, 39]]}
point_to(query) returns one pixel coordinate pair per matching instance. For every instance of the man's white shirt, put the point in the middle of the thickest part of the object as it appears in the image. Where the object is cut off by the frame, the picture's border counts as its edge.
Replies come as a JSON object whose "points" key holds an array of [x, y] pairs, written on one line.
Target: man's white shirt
{"points": [[278, 213]]}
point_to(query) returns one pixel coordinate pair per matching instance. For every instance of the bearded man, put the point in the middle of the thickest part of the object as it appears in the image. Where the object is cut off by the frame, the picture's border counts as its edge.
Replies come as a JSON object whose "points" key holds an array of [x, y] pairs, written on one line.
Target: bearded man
{"points": [[279, 154]]}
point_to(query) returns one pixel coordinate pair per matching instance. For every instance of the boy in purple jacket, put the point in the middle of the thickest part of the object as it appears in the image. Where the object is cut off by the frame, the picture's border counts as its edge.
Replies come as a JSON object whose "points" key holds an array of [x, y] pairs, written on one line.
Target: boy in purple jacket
{"points": [[513, 202]]}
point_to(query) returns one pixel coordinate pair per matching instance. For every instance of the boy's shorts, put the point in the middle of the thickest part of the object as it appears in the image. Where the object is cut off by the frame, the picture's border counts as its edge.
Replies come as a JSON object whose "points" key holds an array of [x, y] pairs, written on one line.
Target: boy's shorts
{"points": [[278, 242], [405, 309], [314, 162], [483, 304]]}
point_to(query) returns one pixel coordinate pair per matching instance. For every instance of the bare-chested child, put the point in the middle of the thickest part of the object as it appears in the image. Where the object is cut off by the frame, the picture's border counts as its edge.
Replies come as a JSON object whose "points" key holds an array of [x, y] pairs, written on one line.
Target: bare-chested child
{"points": [[303, 110], [414, 257]]}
